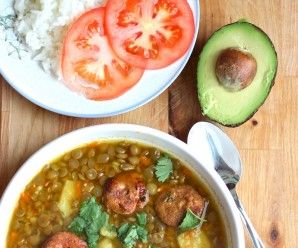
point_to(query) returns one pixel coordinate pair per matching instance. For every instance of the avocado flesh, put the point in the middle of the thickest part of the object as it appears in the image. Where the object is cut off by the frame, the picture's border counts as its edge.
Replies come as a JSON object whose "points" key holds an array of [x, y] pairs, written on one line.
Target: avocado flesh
{"points": [[224, 106]]}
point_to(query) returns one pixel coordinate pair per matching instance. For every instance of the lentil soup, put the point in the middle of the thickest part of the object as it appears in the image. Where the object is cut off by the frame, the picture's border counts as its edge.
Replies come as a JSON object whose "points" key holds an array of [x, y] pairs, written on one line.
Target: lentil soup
{"points": [[114, 194]]}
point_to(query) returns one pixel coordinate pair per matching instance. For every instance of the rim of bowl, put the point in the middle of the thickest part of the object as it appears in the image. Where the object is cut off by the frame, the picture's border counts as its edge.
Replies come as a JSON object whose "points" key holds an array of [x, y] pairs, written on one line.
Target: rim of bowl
{"points": [[140, 103], [7, 203]]}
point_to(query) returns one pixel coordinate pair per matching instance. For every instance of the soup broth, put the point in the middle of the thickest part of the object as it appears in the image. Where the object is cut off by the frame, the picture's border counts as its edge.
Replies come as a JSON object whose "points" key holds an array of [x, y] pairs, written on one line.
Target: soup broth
{"points": [[147, 197]]}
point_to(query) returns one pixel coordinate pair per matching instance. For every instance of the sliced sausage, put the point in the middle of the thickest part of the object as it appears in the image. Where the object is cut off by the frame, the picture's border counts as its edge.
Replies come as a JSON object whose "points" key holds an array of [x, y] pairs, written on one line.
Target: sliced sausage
{"points": [[64, 240], [172, 203], [125, 193]]}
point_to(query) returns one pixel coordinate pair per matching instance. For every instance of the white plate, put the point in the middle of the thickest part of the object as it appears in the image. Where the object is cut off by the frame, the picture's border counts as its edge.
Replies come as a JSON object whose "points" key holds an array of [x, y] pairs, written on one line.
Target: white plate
{"points": [[27, 78]]}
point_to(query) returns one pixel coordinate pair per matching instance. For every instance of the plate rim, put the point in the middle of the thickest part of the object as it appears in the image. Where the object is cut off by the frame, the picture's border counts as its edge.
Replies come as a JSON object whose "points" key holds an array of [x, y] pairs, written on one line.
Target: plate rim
{"points": [[127, 109]]}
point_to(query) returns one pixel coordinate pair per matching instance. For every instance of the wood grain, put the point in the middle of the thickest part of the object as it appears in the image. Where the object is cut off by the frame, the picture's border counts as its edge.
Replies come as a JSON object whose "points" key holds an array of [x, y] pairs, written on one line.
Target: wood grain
{"points": [[26, 127], [268, 143]]}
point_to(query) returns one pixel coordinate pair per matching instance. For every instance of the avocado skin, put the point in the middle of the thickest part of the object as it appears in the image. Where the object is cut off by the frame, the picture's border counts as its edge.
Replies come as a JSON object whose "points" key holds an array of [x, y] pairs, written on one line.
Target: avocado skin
{"points": [[269, 90]]}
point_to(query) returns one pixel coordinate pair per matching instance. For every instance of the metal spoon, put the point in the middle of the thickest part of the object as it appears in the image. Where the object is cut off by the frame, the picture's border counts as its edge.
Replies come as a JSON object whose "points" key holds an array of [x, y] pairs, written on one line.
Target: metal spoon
{"points": [[221, 153]]}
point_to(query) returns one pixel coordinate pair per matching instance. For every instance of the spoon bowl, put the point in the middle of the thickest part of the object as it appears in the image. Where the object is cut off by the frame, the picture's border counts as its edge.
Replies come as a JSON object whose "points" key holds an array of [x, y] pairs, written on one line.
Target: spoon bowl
{"points": [[199, 138], [221, 155]]}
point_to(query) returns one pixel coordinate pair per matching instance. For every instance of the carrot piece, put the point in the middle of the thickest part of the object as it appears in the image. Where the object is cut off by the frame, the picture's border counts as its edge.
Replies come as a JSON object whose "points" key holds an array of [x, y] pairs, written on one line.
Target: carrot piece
{"points": [[13, 237], [25, 198], [79, 189], [144, 161]]}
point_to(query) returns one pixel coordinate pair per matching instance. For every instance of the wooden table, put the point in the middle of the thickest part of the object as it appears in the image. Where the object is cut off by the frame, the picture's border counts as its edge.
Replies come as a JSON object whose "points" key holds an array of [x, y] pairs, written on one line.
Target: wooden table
{"points": [[268, 143]]}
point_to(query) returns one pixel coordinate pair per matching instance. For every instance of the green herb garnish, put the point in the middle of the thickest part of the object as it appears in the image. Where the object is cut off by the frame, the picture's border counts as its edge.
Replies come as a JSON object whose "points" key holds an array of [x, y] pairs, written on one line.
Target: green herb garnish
{"points": [[129, 234], [90, 220], [163, 168], [191, 220], [142, 234], [6, 21], [14, 40], [142, 218]]}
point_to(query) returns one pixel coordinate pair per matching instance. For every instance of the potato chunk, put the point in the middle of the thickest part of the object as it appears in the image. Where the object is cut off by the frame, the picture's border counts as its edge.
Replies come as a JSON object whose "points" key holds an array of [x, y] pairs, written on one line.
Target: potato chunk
{"points": [[105, 243], [194, 239], [68, 195]]}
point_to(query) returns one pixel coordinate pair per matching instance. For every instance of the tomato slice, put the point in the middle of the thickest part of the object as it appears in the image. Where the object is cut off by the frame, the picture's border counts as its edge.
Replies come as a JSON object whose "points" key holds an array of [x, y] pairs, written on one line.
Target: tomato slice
{"points": [[89, 64], [149, 34]]}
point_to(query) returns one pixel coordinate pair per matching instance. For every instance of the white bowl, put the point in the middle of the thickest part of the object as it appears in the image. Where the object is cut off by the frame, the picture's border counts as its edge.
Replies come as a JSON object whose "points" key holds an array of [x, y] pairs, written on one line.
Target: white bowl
{"points": [[27, 78], [129, 132]]}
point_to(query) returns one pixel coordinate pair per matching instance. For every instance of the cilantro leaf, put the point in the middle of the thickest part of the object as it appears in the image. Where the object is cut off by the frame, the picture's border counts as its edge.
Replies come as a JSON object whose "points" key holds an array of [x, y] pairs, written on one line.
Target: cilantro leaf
{"points": [[92, 238], [77, 225], [163, 168], [142, 218], [90, 208], [142, 234], [132, 236], [123, 230], [91, 218], [129, 234], [103, 220], [191, 221]]}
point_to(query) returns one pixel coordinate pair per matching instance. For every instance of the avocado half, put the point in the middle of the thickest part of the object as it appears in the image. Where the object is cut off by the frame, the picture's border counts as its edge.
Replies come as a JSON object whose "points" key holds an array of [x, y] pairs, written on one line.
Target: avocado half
{"points": [[234, 107]]}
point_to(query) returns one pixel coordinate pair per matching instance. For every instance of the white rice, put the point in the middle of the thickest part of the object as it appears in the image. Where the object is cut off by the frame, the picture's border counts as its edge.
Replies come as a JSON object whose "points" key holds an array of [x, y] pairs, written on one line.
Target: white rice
{"points": [[42, 25]]}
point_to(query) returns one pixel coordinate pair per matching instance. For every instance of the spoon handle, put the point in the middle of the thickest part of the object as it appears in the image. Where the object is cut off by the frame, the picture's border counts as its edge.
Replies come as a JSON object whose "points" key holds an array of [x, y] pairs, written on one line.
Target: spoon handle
{"points": [[252, 232]]}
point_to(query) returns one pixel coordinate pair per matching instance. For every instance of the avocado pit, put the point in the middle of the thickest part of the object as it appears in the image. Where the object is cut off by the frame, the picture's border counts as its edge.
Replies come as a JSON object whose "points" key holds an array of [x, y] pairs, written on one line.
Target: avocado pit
{"points": [[235, 69]]}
